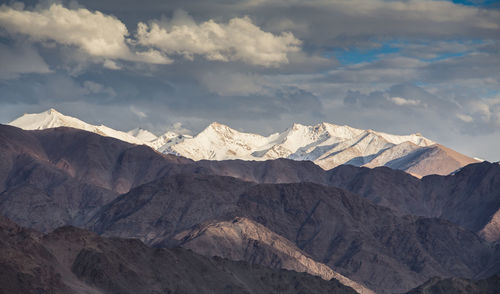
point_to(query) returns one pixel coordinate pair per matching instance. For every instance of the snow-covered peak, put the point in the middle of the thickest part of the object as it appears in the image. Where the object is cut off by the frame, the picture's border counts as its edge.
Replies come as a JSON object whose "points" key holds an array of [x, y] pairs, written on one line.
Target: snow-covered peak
{"points": [[219, 142], [328, 145], [142, 134], [165, 141], [47, 119], [53, 119], [416, 138]]}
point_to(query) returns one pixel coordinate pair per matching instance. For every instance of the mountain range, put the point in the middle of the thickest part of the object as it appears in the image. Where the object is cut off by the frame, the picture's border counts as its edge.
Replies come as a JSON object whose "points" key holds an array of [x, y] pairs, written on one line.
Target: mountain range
{"points": [[372, 229], [74, 261], [327, 145]]}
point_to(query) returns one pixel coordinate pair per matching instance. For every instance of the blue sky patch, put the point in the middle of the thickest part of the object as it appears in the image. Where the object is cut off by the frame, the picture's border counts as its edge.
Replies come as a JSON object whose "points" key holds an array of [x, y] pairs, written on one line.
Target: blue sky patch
{"points": [[476, 2]]}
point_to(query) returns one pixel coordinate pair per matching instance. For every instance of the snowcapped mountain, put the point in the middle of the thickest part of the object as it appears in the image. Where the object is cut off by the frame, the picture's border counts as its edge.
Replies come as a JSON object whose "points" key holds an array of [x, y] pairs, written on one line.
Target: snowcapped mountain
{"points": [[165, 141], [327, 145], [142, 134], [160, 143], [53, 119]]}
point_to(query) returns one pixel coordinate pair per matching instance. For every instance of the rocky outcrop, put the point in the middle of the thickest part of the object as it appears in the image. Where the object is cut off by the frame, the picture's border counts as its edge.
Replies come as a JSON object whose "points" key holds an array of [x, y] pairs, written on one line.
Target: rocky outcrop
{"points": [[469, 197], [367, 243], [75, 261], [459, 286], [63, 176], [244, 239]]}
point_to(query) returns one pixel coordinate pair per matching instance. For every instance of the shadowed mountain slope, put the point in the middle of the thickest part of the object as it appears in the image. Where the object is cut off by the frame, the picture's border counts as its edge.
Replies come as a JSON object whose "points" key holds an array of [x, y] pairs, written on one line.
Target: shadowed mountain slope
{"points": [[459, 286], [75, 261], [66, 176], [363, 241], [244, 239], [62, 176], [469, 198]]}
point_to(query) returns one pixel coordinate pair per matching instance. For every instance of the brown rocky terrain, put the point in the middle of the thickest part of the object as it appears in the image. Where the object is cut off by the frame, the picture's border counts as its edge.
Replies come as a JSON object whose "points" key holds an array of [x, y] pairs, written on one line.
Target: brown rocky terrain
{"points": [[459, 286], [65, 176], [75, 261], [367, 243], [434, 159], [469, 197], [62, 176], [244, 239]]}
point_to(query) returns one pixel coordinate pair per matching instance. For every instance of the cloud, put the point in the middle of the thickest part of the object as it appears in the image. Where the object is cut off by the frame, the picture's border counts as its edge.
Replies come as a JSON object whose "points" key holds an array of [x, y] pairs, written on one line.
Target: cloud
{"points": [[110, 64], [237, 40], [404, 102], [139, 113], [235, 84], [357, 22], [391, 99], [392, 70], [480, 116], [96, 88], [429, 66], [179, 128], [465, 118], [20, 60], [95, 33]]}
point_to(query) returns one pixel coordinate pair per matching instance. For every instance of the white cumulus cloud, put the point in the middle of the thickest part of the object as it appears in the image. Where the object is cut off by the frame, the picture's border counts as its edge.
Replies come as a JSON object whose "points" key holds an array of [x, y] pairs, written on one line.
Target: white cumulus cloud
{"points": [[97, 34], [404, 102], [237, 40]]}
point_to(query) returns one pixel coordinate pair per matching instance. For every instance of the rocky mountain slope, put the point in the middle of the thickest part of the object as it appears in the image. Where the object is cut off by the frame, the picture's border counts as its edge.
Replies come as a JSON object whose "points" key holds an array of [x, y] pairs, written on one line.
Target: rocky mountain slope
{"points": [[64, 176], [244, 239], [459, 286], [325, 144], [469, 198], [49, 164], [75, 261], [365, 242]]}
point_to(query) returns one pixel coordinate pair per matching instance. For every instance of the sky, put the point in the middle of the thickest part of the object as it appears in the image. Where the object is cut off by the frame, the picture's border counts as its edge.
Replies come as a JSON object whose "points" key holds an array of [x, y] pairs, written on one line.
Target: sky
{"points": [[401, 67]]}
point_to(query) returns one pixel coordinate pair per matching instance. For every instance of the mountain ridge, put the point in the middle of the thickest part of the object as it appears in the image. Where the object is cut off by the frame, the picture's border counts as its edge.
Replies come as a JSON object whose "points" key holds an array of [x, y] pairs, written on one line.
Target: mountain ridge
{"points": [[51, 178], [327, 145], [75, 261]]}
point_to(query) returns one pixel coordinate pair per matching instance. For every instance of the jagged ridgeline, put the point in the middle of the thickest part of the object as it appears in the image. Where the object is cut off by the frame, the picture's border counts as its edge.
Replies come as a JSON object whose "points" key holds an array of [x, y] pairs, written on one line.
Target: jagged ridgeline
{"points": [[327, 145], [371, 229]]}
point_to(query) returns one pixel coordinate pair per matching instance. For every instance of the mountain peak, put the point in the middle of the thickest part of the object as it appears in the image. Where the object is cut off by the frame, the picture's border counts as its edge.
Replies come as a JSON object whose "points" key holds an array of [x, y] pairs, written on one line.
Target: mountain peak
{"points": [[52, 118], [297, 126], [52, 111], [142, 134], [219, 126], [327, 145]]}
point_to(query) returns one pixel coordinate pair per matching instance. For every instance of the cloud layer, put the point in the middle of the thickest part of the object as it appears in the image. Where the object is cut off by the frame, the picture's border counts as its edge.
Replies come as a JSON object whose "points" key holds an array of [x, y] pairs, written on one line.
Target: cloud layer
{"points": [[400, 66], [105, 36]]}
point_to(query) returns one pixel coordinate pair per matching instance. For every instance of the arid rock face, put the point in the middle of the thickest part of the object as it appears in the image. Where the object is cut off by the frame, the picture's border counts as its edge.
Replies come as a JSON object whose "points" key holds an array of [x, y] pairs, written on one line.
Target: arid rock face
{"points": [[382, 229], [358, 239], [63, 176], [243, 239], [459, 286], [469, 198], [75, 261]]}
